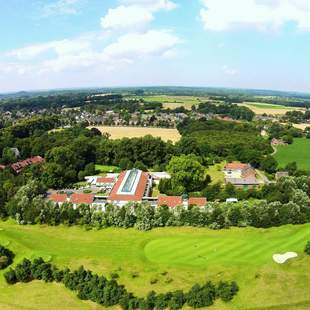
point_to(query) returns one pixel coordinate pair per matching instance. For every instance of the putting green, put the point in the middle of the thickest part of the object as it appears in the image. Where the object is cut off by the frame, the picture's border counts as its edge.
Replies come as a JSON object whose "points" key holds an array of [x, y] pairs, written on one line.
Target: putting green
{"points": [[256, 247]]}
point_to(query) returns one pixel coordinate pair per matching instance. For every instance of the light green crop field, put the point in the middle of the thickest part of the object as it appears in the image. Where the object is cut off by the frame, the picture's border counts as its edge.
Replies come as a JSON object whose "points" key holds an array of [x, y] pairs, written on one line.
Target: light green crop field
{"points": [[262, 105], [299, 152], [176, 257]]}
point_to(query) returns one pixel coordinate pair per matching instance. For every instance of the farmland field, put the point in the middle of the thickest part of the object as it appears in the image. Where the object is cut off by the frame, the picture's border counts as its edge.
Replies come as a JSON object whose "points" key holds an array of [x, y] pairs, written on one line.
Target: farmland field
{"points": [[137, 132], [176, 257], [298, 151], [173, 102], [273, 109]]}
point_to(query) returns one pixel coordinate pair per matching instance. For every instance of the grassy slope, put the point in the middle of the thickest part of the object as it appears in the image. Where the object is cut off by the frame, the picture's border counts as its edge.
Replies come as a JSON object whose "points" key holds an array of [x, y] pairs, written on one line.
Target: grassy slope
{"points": [[216, 173], [189, 255], [298, 151]]}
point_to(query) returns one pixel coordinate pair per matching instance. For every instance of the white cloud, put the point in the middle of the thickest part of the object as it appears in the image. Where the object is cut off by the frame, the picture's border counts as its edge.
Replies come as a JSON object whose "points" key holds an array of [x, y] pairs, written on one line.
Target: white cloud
{"points": [[223, 15], [87, 51], [229, 71], [124, 17], [134, 14], [152, 4], [150, 43], [61, 47], [93, 56], [61, 7]]}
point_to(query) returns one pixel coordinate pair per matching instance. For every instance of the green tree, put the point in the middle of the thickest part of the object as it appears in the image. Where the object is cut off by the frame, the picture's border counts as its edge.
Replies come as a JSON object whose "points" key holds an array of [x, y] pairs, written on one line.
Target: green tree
{"points": [[307, 248], [186, 171], [269, 164]]}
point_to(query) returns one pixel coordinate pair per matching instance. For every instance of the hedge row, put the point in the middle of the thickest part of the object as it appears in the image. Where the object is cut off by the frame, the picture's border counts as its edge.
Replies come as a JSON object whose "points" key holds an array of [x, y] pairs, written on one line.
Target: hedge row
{"points": [[90, 286]]}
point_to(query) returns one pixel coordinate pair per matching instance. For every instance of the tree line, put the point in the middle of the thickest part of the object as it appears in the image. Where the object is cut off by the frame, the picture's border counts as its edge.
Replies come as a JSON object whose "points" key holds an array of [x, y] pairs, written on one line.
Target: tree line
{"points": [[108, 292], [227, 109]]}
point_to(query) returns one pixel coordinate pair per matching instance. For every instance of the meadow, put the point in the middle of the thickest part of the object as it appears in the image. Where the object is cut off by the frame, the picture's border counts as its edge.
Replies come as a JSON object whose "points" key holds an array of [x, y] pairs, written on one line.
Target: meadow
{"points": [[175, 257], [173, 102], [270, 109], [299, 152], [120, 132], [216, 173]]}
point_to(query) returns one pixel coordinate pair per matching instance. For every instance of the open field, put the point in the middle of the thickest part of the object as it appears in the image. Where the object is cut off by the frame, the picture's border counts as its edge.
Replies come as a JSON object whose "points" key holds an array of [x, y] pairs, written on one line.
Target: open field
{"points": [[301, 126], [216, 173], [273, 109], [103, 169], [176, 257], [137, 132], [299, 152], [173, 102]]}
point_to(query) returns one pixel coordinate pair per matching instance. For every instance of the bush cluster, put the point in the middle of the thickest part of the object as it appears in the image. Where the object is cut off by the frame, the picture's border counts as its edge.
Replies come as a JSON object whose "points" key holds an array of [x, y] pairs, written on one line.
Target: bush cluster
{"points": [[6, 257], [99, 289]]}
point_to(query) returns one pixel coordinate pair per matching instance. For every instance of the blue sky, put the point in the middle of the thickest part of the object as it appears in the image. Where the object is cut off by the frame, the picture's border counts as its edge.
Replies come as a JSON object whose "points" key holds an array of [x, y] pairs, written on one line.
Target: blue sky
{"points": [[81, 43]]}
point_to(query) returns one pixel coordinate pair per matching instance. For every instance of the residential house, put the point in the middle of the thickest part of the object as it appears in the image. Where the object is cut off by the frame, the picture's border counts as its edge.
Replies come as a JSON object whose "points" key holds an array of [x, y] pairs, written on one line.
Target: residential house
{"points": [[197, 201], [78, 199], [240, 175], [106, 182], [281, 174], [19, 166], [58, 198]]}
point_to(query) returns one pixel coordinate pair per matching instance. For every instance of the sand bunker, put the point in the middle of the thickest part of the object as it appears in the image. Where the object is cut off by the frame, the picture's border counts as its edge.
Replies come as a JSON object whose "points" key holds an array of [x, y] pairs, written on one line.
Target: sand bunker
{"points": [[282, 258]]}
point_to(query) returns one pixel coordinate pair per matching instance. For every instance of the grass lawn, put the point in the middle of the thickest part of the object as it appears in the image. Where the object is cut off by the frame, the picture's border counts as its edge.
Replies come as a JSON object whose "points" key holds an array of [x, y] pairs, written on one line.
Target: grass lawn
{"points": [[299, 152], [185, 255], [216, 173], [107, 169]]}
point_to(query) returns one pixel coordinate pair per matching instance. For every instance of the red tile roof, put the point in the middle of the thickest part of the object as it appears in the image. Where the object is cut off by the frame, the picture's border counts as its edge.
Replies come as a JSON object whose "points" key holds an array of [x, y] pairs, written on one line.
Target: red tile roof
{"points": [[105, 180], [78, 199], [20, 165], [170, 201], [197, 201], [137, 196], [58, 198], [236, 166], [249, 173]]}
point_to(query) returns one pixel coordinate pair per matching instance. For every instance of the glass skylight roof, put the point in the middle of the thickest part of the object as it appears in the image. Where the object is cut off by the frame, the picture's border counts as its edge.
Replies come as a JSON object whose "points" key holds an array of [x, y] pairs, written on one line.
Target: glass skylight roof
{"points": [[130, 181]]}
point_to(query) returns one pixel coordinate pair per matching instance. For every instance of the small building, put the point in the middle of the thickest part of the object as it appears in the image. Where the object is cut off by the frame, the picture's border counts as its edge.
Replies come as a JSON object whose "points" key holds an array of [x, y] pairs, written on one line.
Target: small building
{"points": [[276, 142], [242, 182], [78, 199], [157, 176], [58, 198], [106, 182], [197, 201], [240, 175], [170, 201], [19, 166], [239, 170], [281, 174], [15, 151]]}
